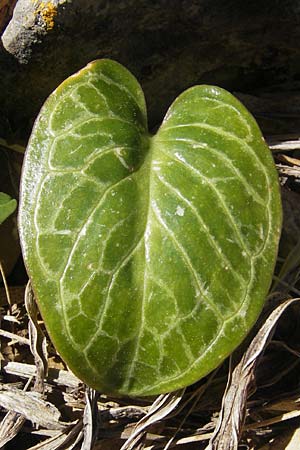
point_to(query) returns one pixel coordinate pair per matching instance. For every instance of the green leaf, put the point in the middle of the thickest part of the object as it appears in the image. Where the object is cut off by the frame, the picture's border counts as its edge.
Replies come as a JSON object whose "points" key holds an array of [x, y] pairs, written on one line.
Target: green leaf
{"points": [[150, 256], [7, 206]]}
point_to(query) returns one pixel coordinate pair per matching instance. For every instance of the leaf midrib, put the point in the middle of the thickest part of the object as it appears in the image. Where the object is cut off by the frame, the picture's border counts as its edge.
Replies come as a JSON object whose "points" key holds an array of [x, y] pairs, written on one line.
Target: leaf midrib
{"points": [[143, 173]]}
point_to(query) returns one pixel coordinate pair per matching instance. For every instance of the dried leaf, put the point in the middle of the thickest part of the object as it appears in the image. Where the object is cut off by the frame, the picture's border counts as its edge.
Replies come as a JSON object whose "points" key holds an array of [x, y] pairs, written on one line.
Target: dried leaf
{"points": [[128, 412], [161, 407], [232, 414], [30, 405], [10, 427], [37, 340]]}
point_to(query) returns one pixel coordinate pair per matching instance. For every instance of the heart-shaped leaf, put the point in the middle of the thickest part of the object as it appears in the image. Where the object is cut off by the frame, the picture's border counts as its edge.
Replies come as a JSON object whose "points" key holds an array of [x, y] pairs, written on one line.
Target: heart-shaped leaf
{"points": [[150, 256], [7, 206]]}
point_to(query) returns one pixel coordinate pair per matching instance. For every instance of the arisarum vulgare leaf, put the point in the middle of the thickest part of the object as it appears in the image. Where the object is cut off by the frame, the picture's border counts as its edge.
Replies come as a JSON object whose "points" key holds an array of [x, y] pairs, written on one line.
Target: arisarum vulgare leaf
{"points": [[150, 256]]}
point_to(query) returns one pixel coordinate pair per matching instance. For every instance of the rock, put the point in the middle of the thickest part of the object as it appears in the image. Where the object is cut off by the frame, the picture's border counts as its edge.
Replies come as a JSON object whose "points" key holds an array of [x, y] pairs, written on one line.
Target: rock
{"points": [[168, 45]]}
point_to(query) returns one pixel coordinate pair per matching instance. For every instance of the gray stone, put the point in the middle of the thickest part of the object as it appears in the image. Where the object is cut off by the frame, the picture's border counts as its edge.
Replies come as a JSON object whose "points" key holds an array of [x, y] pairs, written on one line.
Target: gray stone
{"points": [[169, 45]]}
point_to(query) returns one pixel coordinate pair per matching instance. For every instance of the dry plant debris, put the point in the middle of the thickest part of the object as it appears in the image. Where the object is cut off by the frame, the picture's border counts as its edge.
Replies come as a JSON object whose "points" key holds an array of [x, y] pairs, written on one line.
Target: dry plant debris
{"points": [[251, 402]]}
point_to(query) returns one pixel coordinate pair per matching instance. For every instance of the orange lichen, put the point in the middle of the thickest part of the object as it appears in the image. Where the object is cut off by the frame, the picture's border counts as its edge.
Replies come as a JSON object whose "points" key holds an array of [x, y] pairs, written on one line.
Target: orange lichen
{"points": [[48, 11]]}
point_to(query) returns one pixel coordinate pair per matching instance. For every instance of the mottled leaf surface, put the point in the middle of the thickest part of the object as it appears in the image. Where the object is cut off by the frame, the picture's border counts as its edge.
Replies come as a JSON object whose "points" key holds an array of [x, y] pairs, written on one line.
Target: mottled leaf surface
{"points": [[150, 256], [7, 206]]}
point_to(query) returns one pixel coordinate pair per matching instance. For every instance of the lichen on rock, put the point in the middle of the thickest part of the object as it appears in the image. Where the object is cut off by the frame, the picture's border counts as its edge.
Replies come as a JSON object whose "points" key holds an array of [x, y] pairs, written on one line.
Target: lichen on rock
{"points": [[48, 12]]}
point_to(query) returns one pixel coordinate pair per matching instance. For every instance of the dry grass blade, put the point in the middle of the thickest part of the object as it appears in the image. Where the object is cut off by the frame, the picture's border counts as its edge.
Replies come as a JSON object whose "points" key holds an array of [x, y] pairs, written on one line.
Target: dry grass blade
{"points": [[288, 170], [232, 414], [55, 376], [13, 421], [37, 340], [10, 427], [194, 399], [287, 404], [67, 440], [285, 142], [191, 440], [14, 338], [90, 419], [289, 159], [291, 265], [160, 408], [273, 420], [7, 294]]}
